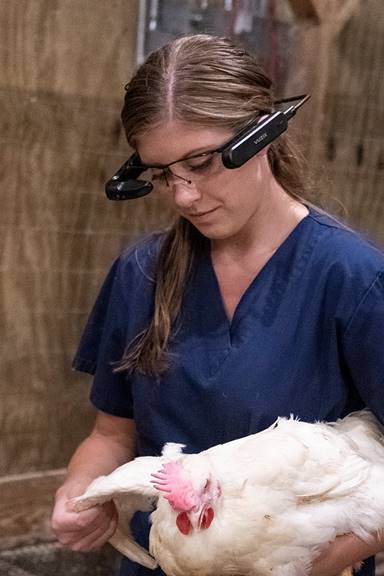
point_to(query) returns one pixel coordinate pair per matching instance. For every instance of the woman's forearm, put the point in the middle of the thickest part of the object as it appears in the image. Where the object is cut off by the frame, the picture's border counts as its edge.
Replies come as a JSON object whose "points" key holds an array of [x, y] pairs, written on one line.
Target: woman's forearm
{"points": [[95, 456], [111, 444]]}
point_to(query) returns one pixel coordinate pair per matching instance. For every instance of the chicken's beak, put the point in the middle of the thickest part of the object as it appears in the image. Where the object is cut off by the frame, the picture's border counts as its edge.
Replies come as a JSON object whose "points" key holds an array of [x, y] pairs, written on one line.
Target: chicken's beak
{"points": [[201, 519]]}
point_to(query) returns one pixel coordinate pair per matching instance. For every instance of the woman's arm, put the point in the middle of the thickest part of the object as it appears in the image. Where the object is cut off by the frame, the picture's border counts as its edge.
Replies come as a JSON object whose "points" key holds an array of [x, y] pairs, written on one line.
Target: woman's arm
{"points": [[346, 551], [110, 444]]}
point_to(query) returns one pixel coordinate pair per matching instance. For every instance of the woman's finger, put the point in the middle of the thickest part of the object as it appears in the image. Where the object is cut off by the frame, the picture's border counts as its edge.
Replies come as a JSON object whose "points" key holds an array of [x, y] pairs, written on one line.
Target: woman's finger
{"points": [[71, 527], [95, 539]]}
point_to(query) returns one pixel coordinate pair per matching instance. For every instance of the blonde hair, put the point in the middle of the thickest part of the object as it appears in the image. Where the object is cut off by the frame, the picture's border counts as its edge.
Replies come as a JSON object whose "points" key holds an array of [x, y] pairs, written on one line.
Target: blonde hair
{"points": [[206, 81]]}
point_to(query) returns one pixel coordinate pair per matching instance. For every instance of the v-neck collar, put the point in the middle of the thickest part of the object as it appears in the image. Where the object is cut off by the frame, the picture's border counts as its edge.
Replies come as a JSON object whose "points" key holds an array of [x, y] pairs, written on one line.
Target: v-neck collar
{"points": [[288, 260]]}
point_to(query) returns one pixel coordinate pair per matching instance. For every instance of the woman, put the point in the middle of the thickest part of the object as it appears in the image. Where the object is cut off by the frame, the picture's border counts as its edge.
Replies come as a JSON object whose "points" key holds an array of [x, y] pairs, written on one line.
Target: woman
{"points": [[253, 305]]}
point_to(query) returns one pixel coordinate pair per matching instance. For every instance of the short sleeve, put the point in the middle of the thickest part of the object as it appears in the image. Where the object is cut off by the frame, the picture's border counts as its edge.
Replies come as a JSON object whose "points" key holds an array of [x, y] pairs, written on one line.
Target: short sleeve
{"points": [[121, 311], [363, 345], [100, 322]]}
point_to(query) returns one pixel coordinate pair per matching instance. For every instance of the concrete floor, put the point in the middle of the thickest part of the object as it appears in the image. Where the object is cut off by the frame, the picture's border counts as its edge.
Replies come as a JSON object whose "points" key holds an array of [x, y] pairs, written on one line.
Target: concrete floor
{"points": [[52, 560]]}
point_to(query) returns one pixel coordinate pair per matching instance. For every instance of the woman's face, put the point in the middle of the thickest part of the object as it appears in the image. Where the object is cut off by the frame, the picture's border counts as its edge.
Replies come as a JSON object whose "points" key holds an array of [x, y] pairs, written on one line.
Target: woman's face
{"points": [[219, 202]]}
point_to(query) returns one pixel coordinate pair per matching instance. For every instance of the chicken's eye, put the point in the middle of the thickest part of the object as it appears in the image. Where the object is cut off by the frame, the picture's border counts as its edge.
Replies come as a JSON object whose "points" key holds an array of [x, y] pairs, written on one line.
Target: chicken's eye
{"points": [[207, 485]]}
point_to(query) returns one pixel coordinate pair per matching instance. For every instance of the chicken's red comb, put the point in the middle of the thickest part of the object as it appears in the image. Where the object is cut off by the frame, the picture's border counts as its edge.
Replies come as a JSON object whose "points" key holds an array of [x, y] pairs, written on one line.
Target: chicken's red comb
{"points": [[173, 479]]}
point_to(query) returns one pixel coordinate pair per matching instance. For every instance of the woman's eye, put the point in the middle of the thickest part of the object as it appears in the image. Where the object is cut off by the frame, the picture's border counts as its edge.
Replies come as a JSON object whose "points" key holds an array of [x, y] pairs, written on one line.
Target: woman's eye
{"points": [[201, 167]]}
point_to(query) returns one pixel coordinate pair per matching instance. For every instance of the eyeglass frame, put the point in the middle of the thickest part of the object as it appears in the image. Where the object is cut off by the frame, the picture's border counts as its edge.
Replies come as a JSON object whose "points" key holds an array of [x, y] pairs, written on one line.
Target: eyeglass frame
{"points": [[166, 167]]}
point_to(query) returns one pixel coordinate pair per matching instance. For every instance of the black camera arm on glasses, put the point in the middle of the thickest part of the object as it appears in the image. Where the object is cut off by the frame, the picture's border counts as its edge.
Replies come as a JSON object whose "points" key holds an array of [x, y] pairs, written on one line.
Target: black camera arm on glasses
{"points": [[125, 185]]}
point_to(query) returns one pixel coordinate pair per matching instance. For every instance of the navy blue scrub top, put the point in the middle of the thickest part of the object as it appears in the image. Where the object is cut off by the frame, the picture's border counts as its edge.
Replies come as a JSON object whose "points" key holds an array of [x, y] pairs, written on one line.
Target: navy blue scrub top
{"points": [[306, 339]]}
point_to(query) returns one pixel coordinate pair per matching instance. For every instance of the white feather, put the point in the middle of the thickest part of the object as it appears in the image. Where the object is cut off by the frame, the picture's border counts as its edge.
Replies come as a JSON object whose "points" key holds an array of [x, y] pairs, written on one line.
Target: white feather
{"points": [[130, 488]]}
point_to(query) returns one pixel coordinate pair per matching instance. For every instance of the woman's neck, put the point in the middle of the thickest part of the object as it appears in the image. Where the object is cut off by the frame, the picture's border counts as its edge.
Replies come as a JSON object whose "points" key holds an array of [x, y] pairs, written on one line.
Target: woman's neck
{"points": [[237, 261], [265, 232]]}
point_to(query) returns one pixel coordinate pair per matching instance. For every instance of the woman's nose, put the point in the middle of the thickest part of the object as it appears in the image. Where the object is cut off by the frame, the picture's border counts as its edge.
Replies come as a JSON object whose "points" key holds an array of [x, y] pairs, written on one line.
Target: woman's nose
{"points": [[184, 193]]}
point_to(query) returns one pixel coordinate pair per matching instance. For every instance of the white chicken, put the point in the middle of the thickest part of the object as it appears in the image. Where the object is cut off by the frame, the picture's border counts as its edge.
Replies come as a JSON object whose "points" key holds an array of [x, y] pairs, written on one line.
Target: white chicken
{"points": [[260, 505]]}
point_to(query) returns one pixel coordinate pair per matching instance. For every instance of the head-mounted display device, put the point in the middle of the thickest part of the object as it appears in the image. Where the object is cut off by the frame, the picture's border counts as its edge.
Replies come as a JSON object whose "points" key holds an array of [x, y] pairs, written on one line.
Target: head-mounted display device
{"points": [[126, 185]]}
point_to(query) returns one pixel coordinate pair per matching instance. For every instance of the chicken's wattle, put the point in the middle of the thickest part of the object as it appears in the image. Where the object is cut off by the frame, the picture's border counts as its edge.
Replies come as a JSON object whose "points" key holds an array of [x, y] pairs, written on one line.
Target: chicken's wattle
{"points": [[183, 523], [206, 518]]}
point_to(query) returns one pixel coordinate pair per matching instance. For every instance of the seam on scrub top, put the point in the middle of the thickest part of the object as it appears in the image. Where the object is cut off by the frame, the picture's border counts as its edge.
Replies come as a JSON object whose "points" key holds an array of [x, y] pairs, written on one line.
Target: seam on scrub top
{"points": [[151, 279], [379, 276]]}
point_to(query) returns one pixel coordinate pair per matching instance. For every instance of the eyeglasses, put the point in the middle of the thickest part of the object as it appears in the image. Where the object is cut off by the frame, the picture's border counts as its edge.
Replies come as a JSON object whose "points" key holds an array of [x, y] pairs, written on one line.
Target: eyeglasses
{"points": [[248, 142], [190, 170]]}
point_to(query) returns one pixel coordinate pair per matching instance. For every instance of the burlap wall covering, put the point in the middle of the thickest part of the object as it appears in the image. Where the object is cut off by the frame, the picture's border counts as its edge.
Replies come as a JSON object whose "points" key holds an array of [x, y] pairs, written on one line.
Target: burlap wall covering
{"points": [[351, 143], [63, 67]]}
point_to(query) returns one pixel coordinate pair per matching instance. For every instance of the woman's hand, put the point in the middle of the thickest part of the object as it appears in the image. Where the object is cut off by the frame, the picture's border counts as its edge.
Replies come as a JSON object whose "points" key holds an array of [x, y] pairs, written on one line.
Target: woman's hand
{"points": [[82, 531], [345, 552], [110, 444]]}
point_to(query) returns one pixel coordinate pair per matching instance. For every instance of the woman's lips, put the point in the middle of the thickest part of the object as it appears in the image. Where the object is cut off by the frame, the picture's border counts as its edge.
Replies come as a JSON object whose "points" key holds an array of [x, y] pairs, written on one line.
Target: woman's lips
{"points": [[201, 214]]}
